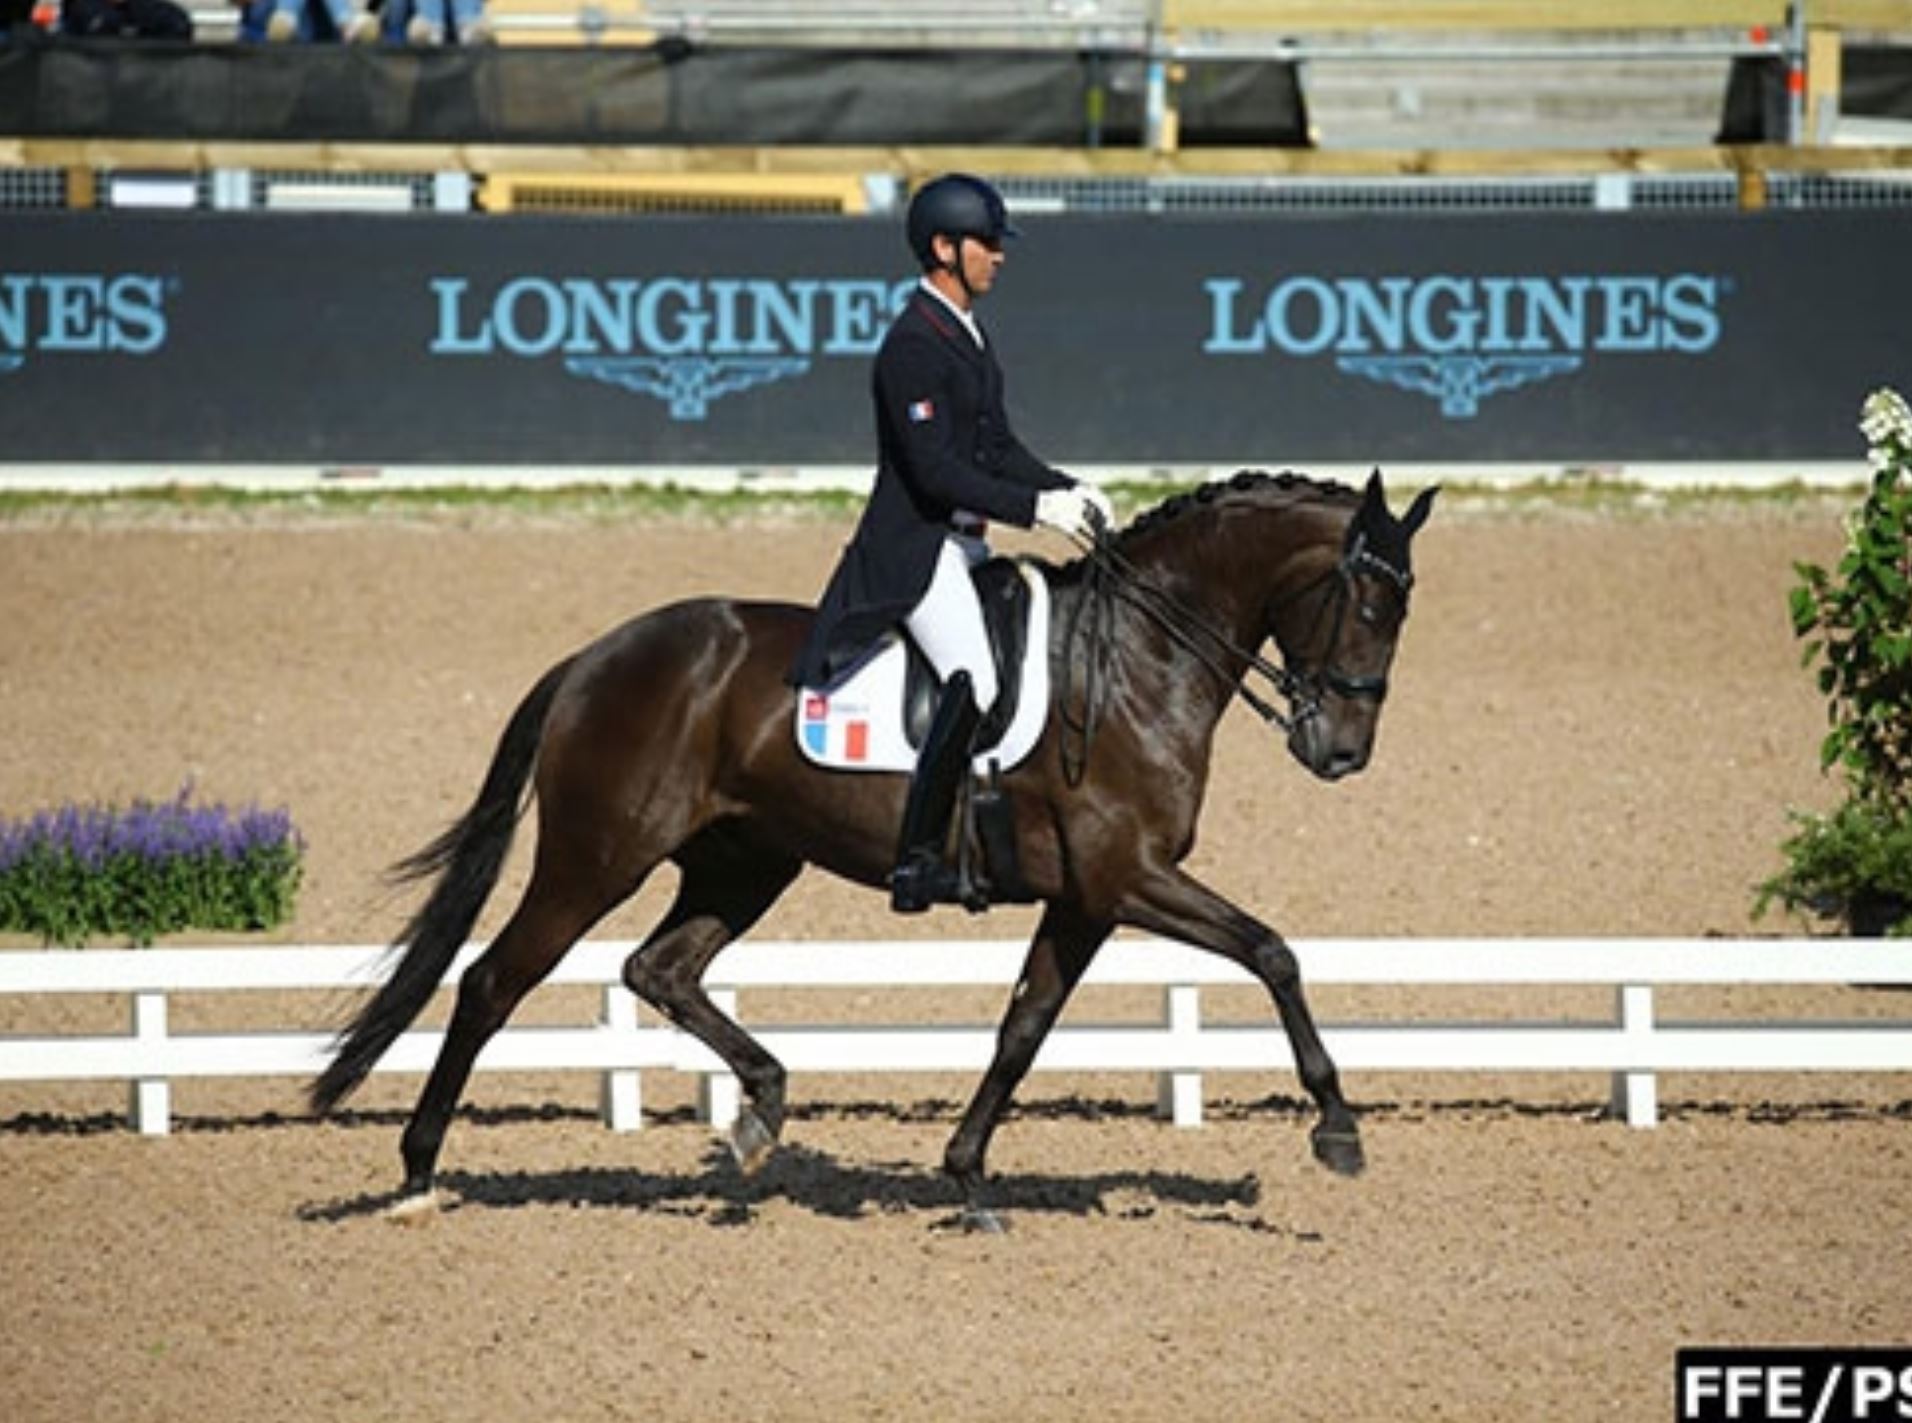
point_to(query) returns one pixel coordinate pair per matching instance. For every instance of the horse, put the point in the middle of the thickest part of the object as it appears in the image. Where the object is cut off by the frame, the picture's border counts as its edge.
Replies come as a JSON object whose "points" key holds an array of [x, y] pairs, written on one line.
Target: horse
{"points": [[670, 738]]}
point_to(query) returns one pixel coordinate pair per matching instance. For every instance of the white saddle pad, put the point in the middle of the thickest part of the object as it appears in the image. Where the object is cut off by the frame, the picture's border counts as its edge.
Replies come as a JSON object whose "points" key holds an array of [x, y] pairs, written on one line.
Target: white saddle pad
{"points": [[858, 724]]}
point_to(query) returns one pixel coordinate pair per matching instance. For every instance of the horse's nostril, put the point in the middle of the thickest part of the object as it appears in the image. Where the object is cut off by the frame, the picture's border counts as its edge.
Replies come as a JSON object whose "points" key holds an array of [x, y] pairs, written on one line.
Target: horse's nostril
{"points": [[1346, 763]]}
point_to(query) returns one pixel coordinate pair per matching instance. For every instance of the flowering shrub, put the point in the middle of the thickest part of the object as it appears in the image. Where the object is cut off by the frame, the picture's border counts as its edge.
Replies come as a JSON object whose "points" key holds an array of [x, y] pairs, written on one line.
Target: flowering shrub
{"points": [[69, 874], [1857, 618]]}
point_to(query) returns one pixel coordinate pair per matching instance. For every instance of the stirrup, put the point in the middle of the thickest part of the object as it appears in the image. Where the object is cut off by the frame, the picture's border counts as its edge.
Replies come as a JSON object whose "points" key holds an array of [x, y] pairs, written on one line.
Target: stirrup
{"points": [[922, 880]]}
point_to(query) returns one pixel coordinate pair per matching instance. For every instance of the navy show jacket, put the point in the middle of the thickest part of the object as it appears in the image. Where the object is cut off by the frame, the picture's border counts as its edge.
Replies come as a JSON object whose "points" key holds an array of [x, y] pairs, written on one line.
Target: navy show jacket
{"points": [[945, 451]]}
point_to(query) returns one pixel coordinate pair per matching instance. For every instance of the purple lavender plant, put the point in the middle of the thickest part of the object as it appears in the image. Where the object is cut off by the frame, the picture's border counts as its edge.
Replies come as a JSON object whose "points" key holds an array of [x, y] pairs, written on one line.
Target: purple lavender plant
{"points": [[152, 868]]}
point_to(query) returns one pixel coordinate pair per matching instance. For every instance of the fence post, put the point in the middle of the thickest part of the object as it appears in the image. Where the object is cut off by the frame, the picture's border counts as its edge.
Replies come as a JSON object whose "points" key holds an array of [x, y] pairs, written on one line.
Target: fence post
{"points": [[152, 1104], [622, 1093], [1636, 1093], [718, 1096], [1178, 1095]]}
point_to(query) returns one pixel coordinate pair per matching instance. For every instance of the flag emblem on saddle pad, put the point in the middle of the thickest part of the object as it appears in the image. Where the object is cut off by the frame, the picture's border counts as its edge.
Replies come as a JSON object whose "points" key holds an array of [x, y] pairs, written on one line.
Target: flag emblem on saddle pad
{"points": [[922, 412], [850, 734]]}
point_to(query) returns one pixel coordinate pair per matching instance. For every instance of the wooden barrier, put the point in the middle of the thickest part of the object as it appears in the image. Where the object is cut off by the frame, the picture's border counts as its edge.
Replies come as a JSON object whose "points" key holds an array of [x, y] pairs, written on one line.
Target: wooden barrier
{"points": [[1299, 16], [848, 164], [1634, 1045]]}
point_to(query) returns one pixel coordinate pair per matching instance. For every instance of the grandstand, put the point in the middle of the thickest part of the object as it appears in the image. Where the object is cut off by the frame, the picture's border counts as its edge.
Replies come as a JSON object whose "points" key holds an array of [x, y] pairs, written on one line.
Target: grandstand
{"points": [[1371, 104], [1475, 74]]}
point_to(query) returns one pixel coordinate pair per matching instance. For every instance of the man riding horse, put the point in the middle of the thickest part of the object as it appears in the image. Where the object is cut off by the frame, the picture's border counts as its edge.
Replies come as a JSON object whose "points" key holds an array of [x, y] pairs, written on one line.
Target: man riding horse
{"points": [[670, 738], [947, 462]]}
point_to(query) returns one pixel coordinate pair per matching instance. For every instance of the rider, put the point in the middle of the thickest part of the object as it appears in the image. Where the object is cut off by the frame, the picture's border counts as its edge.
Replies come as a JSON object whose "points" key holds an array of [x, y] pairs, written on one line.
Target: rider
{"points": [[947, 463]]}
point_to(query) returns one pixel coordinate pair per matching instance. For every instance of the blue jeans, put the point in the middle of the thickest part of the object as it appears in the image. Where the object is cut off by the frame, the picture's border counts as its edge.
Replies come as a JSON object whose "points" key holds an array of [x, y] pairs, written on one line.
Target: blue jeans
{"points": [[452, 18], [323, 20]]}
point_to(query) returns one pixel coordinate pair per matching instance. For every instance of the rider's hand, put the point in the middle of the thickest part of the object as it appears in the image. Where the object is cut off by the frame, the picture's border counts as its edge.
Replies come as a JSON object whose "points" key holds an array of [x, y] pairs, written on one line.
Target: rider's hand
{"points": [[1100, 501], [1071, 510]]}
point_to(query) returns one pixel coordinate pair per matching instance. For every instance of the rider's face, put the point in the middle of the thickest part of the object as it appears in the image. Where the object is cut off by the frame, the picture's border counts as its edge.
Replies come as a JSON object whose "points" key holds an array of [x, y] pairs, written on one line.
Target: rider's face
{"points": [[980, 260]]}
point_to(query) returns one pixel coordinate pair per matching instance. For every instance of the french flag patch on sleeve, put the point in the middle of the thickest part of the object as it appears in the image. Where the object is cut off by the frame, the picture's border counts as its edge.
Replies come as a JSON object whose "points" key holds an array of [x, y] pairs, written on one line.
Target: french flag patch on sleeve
{"points": [[921, 412]]}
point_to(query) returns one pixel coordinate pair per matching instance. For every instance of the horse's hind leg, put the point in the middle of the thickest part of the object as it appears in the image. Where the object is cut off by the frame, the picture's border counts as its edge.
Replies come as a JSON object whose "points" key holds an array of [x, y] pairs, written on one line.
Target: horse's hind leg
{"points": [[1063, 947], [546, 923], [727, 884]]}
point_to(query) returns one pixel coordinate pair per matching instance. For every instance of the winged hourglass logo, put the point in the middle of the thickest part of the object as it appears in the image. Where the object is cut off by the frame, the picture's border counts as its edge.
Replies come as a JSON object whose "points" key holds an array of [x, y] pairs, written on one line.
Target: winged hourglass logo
{"points": [[1460, 383], [687, 384]]}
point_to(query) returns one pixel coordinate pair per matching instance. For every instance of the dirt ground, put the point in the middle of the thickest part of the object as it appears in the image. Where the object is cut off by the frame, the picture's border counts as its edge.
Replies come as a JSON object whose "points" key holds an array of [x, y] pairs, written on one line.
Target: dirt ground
{"points": [[1597, 725]]}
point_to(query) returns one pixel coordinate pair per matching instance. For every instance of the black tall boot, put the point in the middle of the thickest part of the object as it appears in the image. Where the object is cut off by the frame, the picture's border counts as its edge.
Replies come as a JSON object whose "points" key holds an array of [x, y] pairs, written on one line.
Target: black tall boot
{"points": [[923, 875]]}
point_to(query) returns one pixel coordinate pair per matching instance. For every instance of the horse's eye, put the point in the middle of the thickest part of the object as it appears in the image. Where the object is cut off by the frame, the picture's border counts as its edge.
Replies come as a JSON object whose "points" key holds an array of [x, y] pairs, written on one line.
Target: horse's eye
{"points": [[1369, 615]]}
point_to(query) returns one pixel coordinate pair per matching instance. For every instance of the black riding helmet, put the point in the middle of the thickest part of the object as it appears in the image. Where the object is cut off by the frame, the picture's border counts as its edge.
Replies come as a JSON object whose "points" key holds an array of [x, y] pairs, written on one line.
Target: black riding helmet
{"points": [[956, 205]]}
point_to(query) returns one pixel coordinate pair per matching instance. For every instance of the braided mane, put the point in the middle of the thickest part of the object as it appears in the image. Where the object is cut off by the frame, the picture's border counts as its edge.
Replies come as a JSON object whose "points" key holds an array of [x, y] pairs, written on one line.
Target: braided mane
{"points": [[1251, 482], [1247, 485]]}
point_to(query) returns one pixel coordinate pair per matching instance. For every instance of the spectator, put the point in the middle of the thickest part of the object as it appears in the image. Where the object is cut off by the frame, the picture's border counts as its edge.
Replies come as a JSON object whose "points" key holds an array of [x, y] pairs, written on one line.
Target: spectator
{"points": [[309, 21], [430, 22], [129, 19]]}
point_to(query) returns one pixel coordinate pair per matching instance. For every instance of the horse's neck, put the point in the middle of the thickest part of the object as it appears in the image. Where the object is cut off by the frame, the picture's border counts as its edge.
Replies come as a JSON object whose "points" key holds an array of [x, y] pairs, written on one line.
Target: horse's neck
{"points": [[1230, 567]]}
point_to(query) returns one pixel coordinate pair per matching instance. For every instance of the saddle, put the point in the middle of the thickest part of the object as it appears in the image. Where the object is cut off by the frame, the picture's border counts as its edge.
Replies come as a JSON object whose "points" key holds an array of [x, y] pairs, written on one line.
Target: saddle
{"points": [[874, 717], [1004, 596]]}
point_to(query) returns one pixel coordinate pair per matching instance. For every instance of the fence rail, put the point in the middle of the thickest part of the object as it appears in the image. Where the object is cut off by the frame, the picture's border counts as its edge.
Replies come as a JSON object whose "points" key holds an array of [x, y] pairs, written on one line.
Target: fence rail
{"points": [[1634, 1044]]}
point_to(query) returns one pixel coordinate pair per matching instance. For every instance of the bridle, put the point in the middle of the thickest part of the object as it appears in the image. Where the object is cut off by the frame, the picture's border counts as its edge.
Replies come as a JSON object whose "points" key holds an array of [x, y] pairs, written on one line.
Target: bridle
{"points": [[1356, 561], [1112, 576]]}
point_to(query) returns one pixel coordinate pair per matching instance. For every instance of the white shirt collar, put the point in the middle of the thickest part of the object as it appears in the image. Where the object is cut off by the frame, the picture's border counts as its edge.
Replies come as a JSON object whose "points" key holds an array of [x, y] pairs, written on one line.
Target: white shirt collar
{"points": [[968, 318]]}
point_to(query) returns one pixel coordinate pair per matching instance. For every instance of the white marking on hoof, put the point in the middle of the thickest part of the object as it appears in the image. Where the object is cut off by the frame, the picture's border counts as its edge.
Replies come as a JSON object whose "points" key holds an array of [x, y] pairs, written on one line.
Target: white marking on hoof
{"points": [[420, 1209], [751, 1142], [977, 1221]]}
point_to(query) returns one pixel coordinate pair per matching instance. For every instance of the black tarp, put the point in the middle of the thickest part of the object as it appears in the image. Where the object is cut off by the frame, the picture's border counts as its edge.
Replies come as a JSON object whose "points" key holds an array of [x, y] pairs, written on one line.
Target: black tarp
{"points": [[1875, 81], [673, 93]]}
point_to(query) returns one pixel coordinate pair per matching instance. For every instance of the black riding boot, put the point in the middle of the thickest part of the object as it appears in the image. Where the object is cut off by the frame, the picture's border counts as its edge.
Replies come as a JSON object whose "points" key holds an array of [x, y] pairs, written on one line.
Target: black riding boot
{"points": [[923, 875]]}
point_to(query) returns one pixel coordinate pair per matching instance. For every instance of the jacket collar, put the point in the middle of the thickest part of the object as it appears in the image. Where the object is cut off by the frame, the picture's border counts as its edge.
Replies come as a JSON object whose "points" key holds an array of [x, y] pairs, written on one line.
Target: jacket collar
{"points": [[942, 321]]}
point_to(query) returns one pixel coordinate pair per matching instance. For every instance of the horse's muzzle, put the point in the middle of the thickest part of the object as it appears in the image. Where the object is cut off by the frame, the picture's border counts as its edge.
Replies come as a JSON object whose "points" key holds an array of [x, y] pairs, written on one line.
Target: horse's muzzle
{"points": [[1312, 742]]}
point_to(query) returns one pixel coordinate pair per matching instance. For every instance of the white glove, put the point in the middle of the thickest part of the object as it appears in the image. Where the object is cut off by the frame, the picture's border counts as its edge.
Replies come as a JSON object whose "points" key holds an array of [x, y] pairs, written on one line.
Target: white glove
{"points": [[1099, 500], [1074, 510]]}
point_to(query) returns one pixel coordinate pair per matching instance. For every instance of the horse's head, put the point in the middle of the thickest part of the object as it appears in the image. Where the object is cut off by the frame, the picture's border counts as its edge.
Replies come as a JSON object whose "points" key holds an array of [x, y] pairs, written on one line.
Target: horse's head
{"points": [[1337, 633]]}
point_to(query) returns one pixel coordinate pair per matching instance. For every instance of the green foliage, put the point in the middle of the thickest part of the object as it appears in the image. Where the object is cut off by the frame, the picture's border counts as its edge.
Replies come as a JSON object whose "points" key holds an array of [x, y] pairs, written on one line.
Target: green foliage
{"points": [[1856, 619], [1858, 622], [1845, 865], [71, 874]]}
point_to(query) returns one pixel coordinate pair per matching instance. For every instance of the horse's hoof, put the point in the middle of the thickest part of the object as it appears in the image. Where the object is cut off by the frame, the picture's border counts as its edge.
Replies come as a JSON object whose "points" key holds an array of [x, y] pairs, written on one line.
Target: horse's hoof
{"points": [[976, 1221], [418, 1208], [751, 1142], [1340, 1151]]}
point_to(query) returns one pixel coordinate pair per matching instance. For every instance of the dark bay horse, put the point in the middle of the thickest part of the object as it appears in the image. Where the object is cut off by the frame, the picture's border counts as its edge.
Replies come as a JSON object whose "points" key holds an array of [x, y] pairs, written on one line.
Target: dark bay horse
{"points": [[672, 738]]}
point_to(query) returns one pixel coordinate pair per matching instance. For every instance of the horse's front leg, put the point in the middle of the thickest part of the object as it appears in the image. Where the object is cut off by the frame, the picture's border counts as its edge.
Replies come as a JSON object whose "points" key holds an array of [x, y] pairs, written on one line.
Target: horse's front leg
{"points": [[1172, 904], [1060, 953]]}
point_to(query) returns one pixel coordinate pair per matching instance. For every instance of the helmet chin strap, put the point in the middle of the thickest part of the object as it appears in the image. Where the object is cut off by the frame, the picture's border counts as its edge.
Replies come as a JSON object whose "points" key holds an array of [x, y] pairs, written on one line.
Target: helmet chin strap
{"points": [[955, 269]]}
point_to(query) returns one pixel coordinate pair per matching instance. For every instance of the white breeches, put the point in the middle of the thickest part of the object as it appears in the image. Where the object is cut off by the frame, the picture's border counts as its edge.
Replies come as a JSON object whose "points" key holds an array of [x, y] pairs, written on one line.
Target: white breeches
{"points": [[947, 622]]}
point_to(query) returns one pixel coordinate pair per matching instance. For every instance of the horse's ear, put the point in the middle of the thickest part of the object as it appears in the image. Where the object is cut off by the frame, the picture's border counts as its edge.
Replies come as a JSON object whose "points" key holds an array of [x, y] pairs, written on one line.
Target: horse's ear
{"points": [[1418, 511]]}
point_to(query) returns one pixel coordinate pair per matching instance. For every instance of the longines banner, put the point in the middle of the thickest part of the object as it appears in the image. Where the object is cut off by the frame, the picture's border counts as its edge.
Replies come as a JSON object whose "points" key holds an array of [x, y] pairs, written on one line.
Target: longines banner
{"points": [[359, 340]]}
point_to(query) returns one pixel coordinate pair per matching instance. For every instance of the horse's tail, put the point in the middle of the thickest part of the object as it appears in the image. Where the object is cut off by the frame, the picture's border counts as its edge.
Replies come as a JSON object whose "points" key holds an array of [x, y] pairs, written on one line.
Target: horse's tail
{"points": [[467, 859]]}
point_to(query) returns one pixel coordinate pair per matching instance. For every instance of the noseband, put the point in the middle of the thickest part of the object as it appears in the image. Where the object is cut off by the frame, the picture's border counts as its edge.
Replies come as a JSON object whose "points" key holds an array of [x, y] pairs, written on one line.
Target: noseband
{"points": [[1112, 575]]}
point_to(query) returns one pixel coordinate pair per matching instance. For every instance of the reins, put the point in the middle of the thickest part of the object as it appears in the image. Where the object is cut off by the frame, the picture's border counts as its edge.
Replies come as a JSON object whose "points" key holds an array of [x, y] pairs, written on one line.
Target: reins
{"points": [[1112, 575]]}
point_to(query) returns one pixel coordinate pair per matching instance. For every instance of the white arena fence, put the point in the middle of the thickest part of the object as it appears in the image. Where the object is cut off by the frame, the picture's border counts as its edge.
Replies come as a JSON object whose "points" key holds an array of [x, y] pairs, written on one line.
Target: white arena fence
{"points": [[1633, 1045]]}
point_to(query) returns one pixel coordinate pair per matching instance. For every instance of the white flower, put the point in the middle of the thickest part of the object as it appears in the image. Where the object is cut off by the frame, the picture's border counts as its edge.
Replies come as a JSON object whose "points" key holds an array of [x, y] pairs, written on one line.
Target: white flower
{"points": [[1886, 421]]}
